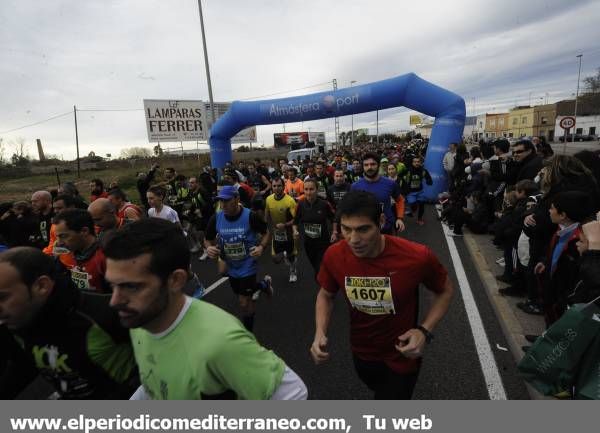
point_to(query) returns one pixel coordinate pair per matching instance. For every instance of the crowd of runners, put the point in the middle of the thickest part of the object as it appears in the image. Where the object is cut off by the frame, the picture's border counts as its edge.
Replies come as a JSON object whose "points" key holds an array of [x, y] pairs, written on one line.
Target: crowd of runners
{"points": [[98, 294]]}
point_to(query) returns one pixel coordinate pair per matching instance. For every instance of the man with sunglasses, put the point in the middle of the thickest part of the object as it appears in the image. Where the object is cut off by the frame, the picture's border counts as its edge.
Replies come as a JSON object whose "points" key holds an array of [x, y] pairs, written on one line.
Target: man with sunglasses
{"points": [[239, 236], [527, 163]]}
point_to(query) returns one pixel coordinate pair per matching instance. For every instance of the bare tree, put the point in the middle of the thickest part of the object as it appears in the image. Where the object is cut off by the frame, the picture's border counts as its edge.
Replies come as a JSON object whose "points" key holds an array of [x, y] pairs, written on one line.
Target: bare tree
{"points": [[20, 156], [592, 83], [2, 149], [136, 152], [20, 147]]}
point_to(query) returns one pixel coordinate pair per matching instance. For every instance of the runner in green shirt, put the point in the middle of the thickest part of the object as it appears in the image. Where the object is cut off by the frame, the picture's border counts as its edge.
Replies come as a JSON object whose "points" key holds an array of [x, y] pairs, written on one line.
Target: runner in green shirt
{"points": [[185, 348]]}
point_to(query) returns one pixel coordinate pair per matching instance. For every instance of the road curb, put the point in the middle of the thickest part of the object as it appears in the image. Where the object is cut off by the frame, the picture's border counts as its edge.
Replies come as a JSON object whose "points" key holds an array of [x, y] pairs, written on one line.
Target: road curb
{"points": [[511, 328]]}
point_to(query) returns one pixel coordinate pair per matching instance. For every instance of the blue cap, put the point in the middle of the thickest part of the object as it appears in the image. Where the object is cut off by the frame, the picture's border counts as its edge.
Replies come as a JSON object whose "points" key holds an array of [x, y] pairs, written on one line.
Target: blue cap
{"points": [[227, 193]]}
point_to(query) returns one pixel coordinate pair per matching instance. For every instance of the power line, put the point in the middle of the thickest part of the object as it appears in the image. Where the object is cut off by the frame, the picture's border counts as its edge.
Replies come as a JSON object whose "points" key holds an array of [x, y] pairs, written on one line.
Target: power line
{"points": [[37, 123], [110, 109]]}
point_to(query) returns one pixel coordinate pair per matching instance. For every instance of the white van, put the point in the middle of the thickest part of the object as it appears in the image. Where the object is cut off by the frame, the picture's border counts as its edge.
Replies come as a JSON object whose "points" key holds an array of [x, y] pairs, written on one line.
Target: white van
{"points": [[301, 153]]}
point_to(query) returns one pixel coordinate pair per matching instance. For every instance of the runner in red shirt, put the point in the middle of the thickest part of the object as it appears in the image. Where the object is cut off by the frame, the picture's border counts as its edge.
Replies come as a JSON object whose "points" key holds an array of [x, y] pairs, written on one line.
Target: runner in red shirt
{"points": [[125, 210], [379, 276], [75, 231]]}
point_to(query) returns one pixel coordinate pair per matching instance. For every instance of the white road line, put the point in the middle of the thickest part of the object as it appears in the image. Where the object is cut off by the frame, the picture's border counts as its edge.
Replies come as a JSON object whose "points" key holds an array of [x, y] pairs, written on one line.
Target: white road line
{"points": [[484, 351], [214, 285]]}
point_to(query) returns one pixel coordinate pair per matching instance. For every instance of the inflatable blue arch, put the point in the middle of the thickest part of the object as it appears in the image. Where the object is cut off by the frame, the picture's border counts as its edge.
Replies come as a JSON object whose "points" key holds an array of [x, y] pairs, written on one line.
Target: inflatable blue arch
{"points": [[407, 90]]}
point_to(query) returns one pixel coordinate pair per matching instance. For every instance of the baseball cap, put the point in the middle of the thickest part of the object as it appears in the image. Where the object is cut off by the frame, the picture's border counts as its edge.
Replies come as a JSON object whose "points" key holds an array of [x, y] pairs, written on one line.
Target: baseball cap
{"points": [[227, 193]]}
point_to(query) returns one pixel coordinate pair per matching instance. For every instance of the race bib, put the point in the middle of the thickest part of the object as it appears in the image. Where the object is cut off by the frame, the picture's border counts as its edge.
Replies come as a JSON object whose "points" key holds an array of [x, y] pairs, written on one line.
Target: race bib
{"points": [[415, 182], [80, 279], [370, 295], [43, 231], [280, 235], [312, 230], [235, 250]]}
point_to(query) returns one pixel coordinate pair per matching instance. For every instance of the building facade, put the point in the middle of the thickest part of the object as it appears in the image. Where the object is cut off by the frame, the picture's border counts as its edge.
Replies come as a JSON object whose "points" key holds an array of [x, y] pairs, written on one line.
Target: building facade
{"points": [[544, 120], [470, 122], [496, 125], [520, 122]]}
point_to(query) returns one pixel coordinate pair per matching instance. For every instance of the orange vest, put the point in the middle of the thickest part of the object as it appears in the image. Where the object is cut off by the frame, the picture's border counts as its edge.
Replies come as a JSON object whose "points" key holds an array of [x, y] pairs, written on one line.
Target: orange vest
{"points": [[67, 259]]}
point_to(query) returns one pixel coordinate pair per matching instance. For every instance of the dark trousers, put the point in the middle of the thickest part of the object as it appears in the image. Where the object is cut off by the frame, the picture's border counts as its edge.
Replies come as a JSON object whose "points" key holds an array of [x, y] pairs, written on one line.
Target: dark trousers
{"points": [[386, 383], [509, 260], [315, 253], [421, 208]]}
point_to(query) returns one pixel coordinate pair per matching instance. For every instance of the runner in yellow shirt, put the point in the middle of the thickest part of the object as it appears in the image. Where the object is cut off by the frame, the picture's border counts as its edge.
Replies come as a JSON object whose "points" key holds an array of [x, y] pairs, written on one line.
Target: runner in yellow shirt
{"points": [[280, 212]]}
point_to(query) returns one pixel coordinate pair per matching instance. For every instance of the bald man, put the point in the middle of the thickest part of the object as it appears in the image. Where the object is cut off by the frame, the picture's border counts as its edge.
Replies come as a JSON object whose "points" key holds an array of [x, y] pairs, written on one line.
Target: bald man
{"points": [[104, 214], [41, 202]]}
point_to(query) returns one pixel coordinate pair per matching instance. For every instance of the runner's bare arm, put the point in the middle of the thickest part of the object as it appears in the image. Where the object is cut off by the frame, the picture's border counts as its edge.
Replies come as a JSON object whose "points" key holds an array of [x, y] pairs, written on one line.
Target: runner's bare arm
{"points": [[412, 342], [323, 308]]}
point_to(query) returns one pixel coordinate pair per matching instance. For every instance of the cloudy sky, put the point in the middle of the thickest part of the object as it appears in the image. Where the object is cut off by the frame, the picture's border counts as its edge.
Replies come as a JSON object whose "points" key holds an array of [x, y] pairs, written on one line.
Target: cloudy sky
{"points": [[108, 56]]}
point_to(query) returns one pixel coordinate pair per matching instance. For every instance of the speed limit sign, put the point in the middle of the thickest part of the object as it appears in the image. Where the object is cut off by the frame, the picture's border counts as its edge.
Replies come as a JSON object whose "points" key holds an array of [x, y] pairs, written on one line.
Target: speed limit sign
{"points": [[567, 122]]}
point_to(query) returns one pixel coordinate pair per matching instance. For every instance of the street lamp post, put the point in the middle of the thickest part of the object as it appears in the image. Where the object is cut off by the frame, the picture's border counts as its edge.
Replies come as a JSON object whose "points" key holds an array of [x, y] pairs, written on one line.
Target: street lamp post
{"points": [[352, 131], [576, 97], [377, 126], [210, 95]]}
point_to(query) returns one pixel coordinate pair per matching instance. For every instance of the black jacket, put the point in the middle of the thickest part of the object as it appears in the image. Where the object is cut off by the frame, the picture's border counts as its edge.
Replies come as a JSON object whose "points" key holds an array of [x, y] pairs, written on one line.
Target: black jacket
{"points": [[587, 288], [526, 169], [76, 343]]}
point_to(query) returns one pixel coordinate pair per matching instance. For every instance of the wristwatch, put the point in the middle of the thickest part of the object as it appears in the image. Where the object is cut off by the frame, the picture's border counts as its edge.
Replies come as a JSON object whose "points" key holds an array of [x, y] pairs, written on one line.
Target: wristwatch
{"points": [[428, 335]]}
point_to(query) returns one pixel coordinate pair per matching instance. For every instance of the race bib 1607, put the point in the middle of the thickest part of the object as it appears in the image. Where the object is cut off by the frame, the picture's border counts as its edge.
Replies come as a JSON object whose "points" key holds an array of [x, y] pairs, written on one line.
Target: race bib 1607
{"points": [[371, 295]]}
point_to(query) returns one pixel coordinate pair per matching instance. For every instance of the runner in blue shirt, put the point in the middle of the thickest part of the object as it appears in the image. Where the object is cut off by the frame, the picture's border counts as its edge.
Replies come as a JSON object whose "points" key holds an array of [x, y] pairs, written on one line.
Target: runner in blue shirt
{"points": [[386, 191]]}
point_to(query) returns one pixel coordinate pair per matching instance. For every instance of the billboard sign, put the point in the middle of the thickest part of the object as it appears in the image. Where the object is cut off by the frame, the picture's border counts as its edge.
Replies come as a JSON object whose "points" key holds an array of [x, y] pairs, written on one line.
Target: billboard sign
{"points": [[294, 139], [175, 120], [246, 135], [317, 137]]}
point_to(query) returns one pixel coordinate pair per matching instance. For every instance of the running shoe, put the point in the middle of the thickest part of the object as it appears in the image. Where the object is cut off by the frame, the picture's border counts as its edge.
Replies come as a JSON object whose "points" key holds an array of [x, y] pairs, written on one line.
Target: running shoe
{"points": [[531, 338], [293, 277], [512, 291], [530, 308], [508, 279], [267, 286]]}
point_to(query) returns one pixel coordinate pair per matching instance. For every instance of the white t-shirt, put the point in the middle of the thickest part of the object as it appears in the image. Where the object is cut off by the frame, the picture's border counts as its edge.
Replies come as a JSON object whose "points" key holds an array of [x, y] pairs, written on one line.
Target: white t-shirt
{"points": [[166, 213]]}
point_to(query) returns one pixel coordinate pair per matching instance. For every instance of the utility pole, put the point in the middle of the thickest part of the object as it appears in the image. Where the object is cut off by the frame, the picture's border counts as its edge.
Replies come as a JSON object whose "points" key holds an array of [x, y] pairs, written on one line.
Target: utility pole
{"points": [[210, 95], [337, 120], [77, 142], [576, 98], [377, 126], [352, 132]]}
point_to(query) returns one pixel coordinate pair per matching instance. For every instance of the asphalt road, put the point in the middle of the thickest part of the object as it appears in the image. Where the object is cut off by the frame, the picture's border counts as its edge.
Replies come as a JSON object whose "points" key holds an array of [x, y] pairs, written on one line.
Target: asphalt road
{"points": [[572, 148], [452, 368]]}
